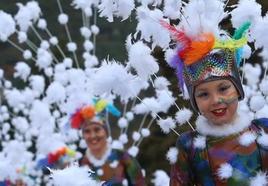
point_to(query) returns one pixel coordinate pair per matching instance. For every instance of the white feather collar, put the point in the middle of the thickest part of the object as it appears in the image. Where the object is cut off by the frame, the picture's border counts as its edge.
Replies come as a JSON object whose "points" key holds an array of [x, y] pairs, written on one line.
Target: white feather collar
{"points": [[204, 127], [98, 162]]}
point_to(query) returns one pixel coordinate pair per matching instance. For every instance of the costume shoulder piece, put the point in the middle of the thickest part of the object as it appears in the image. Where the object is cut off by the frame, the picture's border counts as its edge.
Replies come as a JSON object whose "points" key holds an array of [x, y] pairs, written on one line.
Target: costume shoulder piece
{"points": [[262, 123], [185, 141]]}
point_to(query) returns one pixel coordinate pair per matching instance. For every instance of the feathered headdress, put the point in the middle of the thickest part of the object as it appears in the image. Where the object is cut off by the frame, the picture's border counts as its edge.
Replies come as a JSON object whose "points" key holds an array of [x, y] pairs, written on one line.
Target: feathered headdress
{"points": [[95, 112], [204, 56], [191, 51]]}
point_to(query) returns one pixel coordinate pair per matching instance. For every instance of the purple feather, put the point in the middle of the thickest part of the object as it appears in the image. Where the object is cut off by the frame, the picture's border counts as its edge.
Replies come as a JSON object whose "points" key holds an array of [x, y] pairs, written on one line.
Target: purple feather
{"points": [[177, 64]]}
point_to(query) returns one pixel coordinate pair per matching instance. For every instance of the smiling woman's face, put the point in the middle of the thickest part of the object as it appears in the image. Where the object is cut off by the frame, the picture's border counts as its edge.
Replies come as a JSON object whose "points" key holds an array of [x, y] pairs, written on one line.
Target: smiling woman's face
{"points": [[95, 137], [210, 96]]}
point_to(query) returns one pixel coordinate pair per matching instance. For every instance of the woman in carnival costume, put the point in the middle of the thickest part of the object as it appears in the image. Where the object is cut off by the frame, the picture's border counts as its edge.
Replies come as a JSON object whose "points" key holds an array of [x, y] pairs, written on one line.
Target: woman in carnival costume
{"points": [[228, 147], [113, 166]]}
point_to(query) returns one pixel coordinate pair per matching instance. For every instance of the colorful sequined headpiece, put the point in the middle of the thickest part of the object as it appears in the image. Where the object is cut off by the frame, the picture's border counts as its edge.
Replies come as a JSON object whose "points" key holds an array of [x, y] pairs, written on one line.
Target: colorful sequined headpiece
{"points": [[93, 113], [207, 57]]}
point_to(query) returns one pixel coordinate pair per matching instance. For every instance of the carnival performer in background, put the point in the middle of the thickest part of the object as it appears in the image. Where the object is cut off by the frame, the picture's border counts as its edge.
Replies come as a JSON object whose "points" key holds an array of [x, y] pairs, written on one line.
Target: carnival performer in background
{"points": [[113, 166]]}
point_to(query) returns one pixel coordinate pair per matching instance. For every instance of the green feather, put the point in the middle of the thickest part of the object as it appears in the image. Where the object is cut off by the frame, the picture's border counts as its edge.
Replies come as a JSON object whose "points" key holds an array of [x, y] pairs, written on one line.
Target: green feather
{"points": [[239, 33]]}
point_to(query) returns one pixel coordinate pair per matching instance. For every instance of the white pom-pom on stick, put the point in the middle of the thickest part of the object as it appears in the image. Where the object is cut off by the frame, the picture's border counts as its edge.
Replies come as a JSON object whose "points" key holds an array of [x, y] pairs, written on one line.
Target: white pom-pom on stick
{"points": [[85, 32], [22, 37], [95, 29], [133, 151], [7, 26], [141, 60], [129, 116], [71, 46], [22, 70], [54, 40], [27, 54], [183, 116], [122, 123], [166, 124], [42, 24], [63, 19], [161, 83], [145, 132], [123, 138], [136, 136], [172, 155], [257, 102]]}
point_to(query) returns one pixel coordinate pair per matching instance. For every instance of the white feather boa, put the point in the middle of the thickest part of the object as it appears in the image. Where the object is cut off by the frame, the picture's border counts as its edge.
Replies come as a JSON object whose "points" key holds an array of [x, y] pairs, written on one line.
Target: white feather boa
{"points": [[204, 127]]}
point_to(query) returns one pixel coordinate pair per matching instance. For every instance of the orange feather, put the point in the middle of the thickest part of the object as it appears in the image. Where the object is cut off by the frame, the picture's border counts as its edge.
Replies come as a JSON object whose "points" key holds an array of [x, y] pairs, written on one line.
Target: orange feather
{"points": [[198, 49]]}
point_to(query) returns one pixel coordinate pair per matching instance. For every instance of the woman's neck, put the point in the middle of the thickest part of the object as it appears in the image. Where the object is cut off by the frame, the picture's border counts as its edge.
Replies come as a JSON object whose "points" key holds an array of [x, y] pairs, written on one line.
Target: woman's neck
{"points": [[98, 153], [98, 158]]}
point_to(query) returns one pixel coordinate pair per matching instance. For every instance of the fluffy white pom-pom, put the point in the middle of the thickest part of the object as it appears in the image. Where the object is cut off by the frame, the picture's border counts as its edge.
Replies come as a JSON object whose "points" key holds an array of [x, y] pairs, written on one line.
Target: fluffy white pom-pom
{"points": [[7, 26], [145, 132], [42, 24], [44, 58], [200, 142], [136, 136], [171, 8], [73, 175], [68, 62], [54, 40], [129, 116], [257, 102], [122, 123], [183, 116], [123, 138], [141, 60], [88, 45], [63, 18], [246, 52], [161, 83], [117, 145], [55, 93], [225, 171], [247, 10], [172, 155], [264, 86], [247, 138], [166, 124], [22, 37], [160, 178], [85, 32], [72, 46], [95, 29], [22, 70], [259, 180], [263, 139], [37, 83], [27, 54], [44, 45], [133, 151]]}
